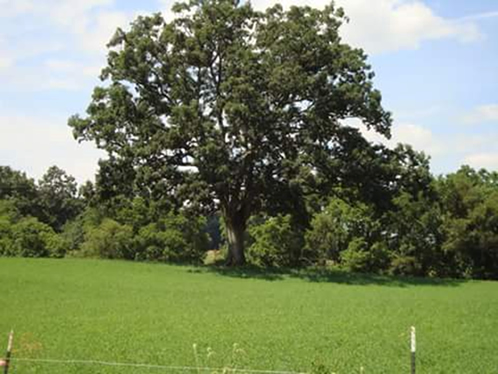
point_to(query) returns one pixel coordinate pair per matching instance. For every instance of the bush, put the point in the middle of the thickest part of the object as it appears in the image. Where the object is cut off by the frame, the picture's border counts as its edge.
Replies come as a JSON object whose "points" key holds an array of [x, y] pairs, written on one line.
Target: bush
{"points": [[276, 243], [110, 240], [5, 236], [359, 258], [31, 238], [175, 238], [325, 239], [9, 211], [333, 230], [356, 257], [74, 234], [405, 265], [160, 244], [380, 257]]}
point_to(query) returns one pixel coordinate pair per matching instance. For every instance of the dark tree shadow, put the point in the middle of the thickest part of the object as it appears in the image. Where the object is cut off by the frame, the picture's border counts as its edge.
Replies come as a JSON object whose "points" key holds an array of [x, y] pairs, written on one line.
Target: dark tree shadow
{"points": [[317, 275], [246, 272]]}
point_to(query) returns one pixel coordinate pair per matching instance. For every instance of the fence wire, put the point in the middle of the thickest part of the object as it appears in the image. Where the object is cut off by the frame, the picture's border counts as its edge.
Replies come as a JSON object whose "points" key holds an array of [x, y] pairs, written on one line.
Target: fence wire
{"points": [[149, 366]]}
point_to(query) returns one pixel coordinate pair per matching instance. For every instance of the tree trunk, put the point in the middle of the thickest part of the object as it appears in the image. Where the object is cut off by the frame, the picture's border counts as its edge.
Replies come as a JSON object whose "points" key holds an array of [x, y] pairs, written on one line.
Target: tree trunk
{"points": [[235, 234]]}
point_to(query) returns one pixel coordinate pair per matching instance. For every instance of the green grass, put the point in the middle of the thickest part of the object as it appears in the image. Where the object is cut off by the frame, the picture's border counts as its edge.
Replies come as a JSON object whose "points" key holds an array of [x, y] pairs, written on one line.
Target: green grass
{"points": [[146, 313]]}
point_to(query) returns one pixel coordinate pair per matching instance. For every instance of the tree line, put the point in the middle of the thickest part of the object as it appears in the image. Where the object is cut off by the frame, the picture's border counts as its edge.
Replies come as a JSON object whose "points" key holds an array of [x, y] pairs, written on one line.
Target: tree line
{"points": [[446, 226]]}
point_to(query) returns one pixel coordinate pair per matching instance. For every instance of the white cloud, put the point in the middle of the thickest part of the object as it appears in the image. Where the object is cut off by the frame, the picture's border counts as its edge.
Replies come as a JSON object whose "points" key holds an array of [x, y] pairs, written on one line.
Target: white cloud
{"points": [[482, 160], [33, 144], [5, 62], [15, 50], [12, 8], [99, 31], [465, 143], [79, 29], [66, 75], [483, 113], [72, 67], [74, 14], [390, 25], [419, 137], [476, 150], [165, 6], [83, 27], [90, 22], [6, 57]]}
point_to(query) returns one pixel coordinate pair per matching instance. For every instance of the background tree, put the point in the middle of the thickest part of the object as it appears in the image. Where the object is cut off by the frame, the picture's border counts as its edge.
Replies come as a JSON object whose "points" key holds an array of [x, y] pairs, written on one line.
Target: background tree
{"points": [[17, 188], [58, 197], [470, 221], [336, 226], [224, 105]]}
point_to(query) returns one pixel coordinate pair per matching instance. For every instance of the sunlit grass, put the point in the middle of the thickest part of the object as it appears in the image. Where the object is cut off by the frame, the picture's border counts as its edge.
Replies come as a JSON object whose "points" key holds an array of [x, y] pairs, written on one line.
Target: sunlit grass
{"points": [[146, 313]]}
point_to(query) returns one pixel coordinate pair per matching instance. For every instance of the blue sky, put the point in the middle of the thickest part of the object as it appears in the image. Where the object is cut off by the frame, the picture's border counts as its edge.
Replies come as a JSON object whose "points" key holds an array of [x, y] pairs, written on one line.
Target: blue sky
{"points": [[435, 63]]}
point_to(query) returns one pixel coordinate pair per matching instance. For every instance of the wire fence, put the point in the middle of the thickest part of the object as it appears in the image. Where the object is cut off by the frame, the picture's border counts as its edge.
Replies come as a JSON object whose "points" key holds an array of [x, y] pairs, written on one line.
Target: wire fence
{"points": [[150, 366], [6, 363]]}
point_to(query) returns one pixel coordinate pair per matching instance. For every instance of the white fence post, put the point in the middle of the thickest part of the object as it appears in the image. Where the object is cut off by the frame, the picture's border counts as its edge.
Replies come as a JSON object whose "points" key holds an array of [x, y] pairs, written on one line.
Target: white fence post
{"points": [[6, 363], [412, 349]]}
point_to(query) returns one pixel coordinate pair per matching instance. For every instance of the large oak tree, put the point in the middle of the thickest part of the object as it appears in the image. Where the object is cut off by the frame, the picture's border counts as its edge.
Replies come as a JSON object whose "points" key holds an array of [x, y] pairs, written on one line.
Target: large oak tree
{"points": [[226, 105]]}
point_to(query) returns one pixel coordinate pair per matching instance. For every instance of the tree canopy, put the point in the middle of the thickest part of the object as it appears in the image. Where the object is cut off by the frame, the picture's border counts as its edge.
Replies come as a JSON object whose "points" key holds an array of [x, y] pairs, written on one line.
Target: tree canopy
{"points": [[58, 197], [224, 105]]}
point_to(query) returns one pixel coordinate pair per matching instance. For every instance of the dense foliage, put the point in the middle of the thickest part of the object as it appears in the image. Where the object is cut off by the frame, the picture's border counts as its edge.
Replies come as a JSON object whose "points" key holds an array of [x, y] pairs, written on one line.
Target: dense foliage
{"points": [[225, 106], [52, 219], [445, 227]]}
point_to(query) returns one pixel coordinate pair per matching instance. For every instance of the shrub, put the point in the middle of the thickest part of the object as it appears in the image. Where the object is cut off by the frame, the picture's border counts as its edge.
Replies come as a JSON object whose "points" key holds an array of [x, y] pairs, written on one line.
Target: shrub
{"points": [[110, 240], [32, 238], [405, 265], [74, 234], [276, 242], [360, 258], [5, 236], [9, 211], [160, 244], [336, 227], [175, 238], [356, 257], [56, 245], [9, 214]]}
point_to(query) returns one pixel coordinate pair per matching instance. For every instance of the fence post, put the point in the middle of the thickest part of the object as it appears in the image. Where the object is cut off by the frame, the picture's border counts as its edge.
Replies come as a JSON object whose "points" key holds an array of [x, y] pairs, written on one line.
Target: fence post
{"points": [[412, 349], [6, 363]]}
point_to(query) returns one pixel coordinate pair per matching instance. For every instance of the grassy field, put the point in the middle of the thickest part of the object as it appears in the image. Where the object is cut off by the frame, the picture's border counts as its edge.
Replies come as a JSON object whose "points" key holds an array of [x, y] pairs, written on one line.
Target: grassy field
{"points": [[146, 313]]}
